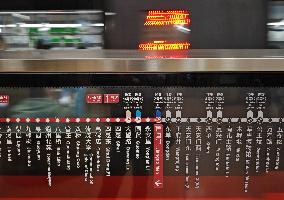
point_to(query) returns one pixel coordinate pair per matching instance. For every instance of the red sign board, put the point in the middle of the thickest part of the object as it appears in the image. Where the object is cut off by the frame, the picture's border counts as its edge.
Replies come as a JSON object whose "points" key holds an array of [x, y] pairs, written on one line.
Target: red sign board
{"points": [[158, 156], [4, 99], [111, 98], [94, 98]]}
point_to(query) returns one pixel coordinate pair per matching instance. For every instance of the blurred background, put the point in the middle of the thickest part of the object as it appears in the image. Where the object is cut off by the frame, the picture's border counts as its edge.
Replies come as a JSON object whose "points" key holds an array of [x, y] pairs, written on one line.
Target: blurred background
{"points": [[145, 24]]}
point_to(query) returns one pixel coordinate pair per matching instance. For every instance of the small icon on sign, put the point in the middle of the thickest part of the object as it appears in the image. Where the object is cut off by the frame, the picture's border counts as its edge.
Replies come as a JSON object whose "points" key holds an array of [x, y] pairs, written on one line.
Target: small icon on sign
{"points": [[138, 116], [158, 184], [94, 98], [128, 116]]}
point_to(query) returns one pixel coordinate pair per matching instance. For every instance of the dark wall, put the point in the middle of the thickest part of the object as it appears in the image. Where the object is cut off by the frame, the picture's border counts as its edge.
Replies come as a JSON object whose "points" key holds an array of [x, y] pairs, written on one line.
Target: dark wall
{"points": [[229, 23], [215, 23]]}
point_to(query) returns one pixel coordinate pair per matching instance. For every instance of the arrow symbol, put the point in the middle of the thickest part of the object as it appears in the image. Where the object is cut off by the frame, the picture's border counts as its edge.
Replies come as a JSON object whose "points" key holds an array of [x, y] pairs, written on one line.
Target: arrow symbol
{"points": [[158, 183]]}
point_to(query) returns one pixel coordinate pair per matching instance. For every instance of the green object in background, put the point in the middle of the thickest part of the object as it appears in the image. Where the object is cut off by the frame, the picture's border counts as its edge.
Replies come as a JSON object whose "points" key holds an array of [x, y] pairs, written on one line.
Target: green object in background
{"points": [[65, 40], [63, 30], [67, 31], [55, 35]]}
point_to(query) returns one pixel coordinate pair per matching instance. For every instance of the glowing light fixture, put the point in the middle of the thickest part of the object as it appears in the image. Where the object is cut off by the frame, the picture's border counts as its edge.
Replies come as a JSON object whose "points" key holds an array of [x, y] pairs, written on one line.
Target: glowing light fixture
{"points": [[164, 45], [167, 17]]}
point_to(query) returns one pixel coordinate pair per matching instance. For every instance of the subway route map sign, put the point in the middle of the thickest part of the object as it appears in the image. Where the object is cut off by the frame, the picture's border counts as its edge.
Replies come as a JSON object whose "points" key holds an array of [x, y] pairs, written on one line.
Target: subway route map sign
{"points": [[145, 136]]}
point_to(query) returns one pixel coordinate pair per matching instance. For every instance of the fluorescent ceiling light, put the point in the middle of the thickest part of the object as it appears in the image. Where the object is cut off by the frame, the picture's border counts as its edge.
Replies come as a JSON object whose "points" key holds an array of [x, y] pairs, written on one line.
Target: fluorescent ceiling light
{"points": [[50, 25], [281, 23]]}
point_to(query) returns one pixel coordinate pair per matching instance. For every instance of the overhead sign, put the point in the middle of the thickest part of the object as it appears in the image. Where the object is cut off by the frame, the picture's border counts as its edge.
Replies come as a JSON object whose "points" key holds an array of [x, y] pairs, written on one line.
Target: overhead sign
{"points": [[168, 17]]}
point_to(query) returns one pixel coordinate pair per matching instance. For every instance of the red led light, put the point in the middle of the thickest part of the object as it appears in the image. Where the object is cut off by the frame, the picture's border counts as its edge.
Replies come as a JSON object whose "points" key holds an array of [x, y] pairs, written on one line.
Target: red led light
{"points": [[169, 17], [164, 45]]}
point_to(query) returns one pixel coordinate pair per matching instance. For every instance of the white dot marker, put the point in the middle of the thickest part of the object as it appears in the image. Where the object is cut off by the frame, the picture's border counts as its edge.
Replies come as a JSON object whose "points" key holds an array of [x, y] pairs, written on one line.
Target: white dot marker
{"points": [[7, 119], [47, 120], [158, 119], [77, 119], [128, 120], [28, 120], [117, 119], [37, 120], [57, 120], [88, 120], [148, 119], [107, 119], [18, 120], [138, 119], [67, 120], [98, 120]]}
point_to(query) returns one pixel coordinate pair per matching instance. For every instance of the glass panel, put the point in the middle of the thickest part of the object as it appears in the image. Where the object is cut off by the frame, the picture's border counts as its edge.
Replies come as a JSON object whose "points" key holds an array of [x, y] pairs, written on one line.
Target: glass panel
{"points": [[142, 136]]}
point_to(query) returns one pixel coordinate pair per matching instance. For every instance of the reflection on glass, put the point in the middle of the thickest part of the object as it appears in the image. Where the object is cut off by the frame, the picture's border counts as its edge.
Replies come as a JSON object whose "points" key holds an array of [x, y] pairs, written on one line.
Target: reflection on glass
{"points": [[56, 30], [275, 25]]}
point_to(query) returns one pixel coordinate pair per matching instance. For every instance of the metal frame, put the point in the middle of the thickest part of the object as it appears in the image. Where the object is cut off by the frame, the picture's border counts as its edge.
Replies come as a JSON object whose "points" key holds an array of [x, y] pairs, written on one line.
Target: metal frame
{"points": [[132, 61]]}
